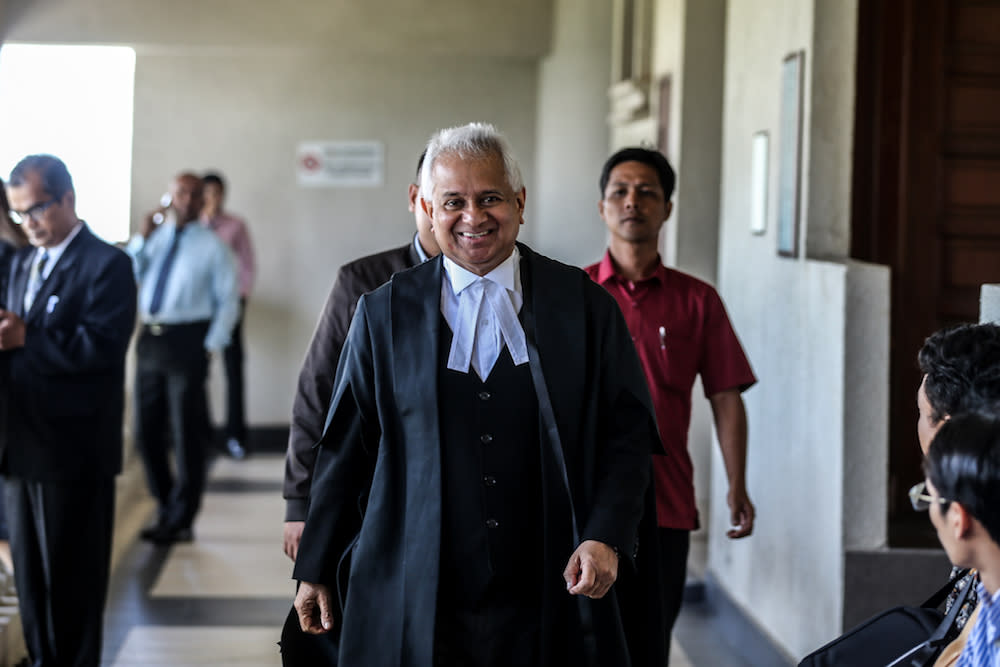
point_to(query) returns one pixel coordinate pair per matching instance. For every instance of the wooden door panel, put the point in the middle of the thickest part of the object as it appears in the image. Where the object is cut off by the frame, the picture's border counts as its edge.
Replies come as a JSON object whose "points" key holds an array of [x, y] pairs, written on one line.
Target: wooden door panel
{"points": [[972, 223], [971, 263], [926, 184], [973, 105], [972, 184], [976, 23]]}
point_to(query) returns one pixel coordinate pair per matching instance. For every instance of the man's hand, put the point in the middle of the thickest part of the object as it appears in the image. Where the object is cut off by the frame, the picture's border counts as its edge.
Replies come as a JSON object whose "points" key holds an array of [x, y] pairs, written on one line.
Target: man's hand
{"points": [[741, 513], [11, 330], [591, 570], [293, 535], [313, 605], [731, 426]]}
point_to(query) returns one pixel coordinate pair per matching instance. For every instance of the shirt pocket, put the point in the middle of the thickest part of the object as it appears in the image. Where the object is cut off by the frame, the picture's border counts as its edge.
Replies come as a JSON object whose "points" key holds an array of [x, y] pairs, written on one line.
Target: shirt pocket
{"points": [[677, 356]]}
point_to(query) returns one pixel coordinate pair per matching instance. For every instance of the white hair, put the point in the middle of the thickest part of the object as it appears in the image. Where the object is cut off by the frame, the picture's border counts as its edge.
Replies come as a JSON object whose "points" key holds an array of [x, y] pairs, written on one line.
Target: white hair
{"points": [[475, 140]]}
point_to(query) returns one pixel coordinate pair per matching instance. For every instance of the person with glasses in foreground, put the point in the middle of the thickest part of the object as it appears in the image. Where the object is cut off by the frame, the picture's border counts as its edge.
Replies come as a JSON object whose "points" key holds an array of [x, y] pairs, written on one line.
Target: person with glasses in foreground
{"points": [[961, 373], [69, 313], [962, 494]]}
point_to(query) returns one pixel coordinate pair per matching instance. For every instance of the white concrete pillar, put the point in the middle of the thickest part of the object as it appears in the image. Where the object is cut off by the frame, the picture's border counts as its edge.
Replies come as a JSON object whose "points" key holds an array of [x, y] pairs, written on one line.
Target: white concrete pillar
{"points": [[989, 303]]}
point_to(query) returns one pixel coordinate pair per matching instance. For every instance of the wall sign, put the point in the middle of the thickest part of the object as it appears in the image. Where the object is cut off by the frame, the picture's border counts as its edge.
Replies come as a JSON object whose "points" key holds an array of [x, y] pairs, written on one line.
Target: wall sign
{"points": [[340, 164]]}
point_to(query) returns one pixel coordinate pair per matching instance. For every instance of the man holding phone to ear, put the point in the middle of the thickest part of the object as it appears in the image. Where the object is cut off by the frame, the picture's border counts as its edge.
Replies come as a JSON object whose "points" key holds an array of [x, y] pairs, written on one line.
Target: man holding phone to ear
{"points": [[189, 301]]}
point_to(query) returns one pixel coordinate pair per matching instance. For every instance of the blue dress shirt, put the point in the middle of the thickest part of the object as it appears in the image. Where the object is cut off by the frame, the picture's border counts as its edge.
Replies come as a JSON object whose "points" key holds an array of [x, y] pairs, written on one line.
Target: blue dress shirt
{"points": [[983, 646], [202, 283]]}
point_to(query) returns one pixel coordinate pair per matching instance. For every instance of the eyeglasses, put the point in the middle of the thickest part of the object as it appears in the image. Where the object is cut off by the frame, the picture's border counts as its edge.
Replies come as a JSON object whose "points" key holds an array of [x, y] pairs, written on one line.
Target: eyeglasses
{"points": [[921, 501], [33, 213]]}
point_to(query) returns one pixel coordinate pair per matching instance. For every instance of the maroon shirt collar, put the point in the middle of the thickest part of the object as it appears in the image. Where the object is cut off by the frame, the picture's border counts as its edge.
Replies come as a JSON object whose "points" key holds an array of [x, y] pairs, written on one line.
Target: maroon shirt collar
{"points": [[606, 271]]}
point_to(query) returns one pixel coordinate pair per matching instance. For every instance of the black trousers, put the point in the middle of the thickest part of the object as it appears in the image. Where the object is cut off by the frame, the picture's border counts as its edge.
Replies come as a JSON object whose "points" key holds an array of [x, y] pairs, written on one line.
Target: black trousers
{"points": [[674, 547], [236, 423], [171, 407], [61, 543], [502, 629]]}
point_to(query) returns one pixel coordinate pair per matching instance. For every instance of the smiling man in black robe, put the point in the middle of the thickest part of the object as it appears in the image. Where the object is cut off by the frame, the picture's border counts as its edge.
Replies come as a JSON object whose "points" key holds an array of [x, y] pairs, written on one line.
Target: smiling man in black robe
{"points": [[486, 459]]}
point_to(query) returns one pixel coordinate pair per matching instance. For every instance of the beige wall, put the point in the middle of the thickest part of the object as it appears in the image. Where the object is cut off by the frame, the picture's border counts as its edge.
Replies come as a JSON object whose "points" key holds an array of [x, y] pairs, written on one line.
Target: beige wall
{"points": [[688, 46], [237, 90], [257, 115], [572, 139], [815, 330], [439, 27]]}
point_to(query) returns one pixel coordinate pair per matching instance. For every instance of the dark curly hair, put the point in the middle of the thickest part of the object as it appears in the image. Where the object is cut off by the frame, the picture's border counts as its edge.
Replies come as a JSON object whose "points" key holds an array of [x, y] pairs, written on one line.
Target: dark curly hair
{"points": [[962, 369]]}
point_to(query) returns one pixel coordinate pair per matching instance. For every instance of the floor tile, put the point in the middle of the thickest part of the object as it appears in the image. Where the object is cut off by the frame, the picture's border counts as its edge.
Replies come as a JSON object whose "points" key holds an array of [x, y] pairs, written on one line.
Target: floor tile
{"points": [[677, 656], [254, 468], [196, 646], [251, 517], [215, 568]]}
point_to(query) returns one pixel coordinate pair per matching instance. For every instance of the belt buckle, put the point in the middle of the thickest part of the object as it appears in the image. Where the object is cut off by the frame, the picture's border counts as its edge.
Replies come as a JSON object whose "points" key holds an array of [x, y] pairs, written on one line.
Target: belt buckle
{"points": [[155, 329]]}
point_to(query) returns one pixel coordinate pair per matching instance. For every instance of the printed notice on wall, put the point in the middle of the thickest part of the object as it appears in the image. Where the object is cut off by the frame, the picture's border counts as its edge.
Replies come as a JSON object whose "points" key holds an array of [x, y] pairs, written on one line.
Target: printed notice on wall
{"points": [[340, 164]]}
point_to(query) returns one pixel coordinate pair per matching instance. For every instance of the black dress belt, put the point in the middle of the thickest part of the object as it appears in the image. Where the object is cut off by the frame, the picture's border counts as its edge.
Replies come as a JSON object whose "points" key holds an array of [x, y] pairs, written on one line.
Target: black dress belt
{"points": [[162, 329]]}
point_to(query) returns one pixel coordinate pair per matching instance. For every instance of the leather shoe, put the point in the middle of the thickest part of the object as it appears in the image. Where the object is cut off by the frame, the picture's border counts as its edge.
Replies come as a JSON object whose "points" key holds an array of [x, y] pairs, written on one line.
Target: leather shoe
{"points": [[150, 532], [235, 449], [169, 535]]}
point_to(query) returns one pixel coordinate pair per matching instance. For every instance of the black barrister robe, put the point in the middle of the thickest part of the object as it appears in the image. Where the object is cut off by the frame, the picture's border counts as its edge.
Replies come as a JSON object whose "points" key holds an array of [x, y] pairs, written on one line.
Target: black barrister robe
{"points": [[375, 509]]}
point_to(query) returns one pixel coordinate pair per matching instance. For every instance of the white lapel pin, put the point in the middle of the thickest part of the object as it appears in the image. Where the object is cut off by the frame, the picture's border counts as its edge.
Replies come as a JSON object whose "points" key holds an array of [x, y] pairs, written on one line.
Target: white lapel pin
{"points": [[51, 305]]}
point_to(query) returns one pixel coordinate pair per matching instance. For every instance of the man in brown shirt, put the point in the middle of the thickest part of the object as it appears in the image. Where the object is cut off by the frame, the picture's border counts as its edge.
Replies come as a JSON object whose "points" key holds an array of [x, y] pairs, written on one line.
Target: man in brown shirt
{"points": [[315, 388]]}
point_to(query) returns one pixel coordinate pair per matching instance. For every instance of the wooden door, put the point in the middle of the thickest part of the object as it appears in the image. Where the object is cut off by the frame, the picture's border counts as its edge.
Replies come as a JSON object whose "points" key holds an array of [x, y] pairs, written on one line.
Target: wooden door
{"points": [[926, 188]]}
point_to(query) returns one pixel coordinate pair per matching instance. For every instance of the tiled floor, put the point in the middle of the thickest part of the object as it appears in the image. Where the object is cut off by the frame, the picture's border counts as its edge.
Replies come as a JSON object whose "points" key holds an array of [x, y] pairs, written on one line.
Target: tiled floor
{"points": [[221, 600]]}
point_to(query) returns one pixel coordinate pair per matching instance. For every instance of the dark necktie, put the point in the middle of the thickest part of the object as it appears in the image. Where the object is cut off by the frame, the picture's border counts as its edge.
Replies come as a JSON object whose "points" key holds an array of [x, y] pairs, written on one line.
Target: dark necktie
{"points": [[35, 279], [161, 281]]}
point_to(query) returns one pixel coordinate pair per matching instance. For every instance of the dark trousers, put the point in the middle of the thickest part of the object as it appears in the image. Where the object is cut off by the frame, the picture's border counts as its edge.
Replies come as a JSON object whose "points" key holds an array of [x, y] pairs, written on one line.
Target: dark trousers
{"points": [[61, 544], [236, 424], [498, 632], [674, 547], [172, 408]]}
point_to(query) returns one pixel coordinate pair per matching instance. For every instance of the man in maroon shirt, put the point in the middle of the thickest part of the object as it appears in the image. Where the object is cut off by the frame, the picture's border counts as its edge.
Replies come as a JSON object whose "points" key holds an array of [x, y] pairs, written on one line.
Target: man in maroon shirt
{"points": [[680, 329]]}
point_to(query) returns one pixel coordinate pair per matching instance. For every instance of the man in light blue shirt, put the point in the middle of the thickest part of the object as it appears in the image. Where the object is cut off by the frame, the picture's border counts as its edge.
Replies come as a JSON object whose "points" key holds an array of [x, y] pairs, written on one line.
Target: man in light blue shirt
{"points": [[188, 303]]}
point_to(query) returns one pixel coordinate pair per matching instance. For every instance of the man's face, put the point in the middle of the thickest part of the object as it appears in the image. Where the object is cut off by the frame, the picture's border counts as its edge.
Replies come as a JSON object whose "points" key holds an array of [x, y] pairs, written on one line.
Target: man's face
{"points": [[425, 230], [634, 207], [48, 221], [186, 197], [927, 427], [213, 196], [475, 213]]}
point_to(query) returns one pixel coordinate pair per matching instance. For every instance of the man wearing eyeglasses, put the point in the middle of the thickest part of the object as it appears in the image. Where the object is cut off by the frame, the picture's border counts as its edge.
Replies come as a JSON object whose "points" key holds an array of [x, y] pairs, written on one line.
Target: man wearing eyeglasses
{"points": [[71, 307], [963, 496], [189, 301]]}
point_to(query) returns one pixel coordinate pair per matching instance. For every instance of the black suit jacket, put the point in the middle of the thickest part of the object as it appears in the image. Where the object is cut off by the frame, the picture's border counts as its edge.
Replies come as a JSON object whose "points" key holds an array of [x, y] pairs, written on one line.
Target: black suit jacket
{"points": [[66, 385], [315, 388]]}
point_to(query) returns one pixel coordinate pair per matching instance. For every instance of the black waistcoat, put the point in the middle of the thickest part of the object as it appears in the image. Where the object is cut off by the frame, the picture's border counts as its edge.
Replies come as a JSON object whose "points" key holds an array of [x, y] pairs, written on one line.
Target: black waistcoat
{"points": [[491, 480]]}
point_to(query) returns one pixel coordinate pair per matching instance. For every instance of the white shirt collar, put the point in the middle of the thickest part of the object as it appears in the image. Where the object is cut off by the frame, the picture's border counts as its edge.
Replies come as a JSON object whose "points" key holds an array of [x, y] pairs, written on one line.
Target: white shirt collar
{"points": [[506, 275], [56, 252]]}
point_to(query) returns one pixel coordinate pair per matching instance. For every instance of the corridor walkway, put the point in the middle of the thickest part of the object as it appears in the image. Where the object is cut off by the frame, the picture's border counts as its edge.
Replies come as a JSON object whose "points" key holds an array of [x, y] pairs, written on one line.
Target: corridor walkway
{"points": [[221, 600]]}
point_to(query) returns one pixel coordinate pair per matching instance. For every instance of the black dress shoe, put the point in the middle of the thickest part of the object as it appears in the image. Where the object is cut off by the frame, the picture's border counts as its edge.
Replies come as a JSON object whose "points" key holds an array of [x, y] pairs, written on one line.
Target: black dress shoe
{"points": [[150, 532], [168, 535]]}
